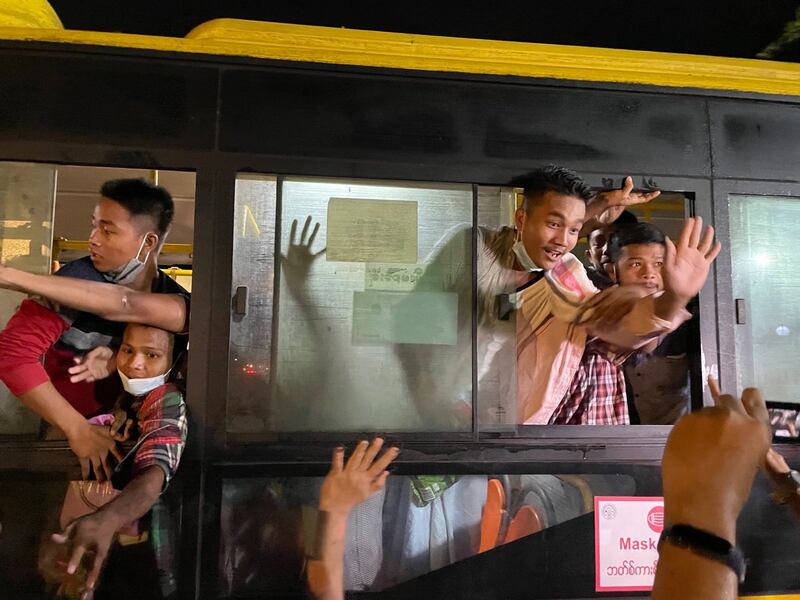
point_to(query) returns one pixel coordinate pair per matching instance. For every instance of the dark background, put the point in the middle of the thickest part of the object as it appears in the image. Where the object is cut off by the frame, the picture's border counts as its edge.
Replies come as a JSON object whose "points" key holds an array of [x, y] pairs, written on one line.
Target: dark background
{"points": [[737, 28]]}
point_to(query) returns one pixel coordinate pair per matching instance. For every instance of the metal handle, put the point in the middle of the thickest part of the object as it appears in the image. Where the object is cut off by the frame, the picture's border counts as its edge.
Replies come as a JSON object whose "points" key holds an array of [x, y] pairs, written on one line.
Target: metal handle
{"points": [[741, 311], [240, 301]]}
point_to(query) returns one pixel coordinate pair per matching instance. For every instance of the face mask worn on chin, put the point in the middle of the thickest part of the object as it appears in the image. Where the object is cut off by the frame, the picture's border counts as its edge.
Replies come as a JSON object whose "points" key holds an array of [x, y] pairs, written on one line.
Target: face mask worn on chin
{"points": [[130, 270], [522, 255], [142, 385]]}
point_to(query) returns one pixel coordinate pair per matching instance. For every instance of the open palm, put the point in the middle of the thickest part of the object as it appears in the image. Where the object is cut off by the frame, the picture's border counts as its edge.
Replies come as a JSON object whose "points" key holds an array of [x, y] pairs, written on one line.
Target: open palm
{"points": [[687, 263]]}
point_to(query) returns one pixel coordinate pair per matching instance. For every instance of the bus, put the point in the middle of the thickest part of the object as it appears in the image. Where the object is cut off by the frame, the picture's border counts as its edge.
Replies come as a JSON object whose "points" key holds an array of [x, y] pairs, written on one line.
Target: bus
{"points": [[280, 141]]}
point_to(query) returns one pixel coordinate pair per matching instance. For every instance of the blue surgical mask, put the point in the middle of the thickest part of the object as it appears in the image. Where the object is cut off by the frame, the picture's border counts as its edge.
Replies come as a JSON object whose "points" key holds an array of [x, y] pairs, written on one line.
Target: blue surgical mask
{"points": [[522, 256], [142, 385], [130, 270]]}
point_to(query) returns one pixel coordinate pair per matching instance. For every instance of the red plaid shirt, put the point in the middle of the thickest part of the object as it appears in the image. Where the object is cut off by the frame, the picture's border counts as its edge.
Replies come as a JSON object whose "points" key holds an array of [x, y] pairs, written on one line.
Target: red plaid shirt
{"points": [[597, 394]]}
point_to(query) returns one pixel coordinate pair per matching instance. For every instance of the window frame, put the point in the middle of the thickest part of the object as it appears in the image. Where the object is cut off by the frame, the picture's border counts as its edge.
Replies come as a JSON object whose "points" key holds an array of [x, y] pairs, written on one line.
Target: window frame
{"points": [[723, 190]]}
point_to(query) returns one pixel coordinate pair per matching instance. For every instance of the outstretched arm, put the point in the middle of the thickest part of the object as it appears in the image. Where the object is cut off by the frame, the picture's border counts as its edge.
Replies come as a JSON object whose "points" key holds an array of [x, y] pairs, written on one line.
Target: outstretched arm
{"points": [[92, 535], [107, 300], [710, 460], [345, 486], [30, 332]]}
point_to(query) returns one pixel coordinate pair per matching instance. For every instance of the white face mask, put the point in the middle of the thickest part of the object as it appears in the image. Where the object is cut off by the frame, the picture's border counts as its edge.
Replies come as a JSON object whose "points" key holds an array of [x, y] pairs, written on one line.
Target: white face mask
{"points": [[130, 270], [142, 385], [522, 256]]}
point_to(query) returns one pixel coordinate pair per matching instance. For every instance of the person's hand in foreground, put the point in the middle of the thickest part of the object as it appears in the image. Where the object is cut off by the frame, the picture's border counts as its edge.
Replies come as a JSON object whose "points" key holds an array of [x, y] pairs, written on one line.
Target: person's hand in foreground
{"points": [[710, 461], [346, 485]]}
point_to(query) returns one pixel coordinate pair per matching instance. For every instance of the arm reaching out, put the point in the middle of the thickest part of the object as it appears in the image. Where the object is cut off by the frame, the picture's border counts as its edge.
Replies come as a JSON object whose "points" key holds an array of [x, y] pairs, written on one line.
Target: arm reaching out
{"points": [[90, 537], [107, 300], [710, 461], [345, 486]]}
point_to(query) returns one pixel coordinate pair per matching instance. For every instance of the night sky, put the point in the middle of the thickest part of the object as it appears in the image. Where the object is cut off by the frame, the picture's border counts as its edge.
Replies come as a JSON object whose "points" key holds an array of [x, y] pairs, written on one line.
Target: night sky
{"points": [[736, 28]]}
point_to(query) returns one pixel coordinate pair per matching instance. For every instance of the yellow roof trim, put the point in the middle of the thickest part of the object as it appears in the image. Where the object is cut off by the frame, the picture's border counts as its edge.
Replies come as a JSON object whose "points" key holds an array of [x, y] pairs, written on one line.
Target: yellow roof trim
{"points": [[278, 41]]}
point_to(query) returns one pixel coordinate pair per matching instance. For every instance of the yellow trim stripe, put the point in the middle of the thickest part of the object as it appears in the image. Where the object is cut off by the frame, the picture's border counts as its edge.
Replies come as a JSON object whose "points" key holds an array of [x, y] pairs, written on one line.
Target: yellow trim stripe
{"points": [[278, 41]]}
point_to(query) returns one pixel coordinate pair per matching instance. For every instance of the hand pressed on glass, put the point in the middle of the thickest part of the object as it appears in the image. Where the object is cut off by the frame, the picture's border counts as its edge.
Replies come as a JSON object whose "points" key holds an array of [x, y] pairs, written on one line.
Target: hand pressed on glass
{"points": [[347, 485]]}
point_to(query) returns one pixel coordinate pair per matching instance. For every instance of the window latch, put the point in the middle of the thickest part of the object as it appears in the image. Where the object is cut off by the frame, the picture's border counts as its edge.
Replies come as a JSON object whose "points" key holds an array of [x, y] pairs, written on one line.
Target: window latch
{"points": [[240, 301], [741, 311]]}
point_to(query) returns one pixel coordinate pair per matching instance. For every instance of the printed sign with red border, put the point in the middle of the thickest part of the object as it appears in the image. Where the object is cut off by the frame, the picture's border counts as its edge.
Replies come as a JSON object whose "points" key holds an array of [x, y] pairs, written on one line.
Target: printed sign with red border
{"points": [[626, 531]]}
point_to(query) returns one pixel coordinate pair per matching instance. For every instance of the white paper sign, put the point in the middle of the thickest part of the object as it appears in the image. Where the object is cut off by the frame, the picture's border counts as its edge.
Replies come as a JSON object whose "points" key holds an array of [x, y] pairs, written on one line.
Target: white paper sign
{"points": [[626, 531]]}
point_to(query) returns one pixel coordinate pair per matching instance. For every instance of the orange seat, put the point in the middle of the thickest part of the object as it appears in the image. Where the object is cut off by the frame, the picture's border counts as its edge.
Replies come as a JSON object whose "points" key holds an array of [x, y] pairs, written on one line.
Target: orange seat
{"points": [[492, 516], [526, 522]]}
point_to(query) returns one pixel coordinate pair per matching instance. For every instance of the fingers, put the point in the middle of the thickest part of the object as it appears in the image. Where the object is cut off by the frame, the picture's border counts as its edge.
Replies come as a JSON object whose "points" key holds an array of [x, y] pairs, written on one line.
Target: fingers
{"points": [[627, 185], [697, 229], [313, 234], [686, 233], [358, 455], [337, 462], [84, 468], [713, 387], [732, 403], [293, 233], [116, 454], [80, 373], [306, 225], [372, 451], [707, 240], [754, 405], [99, 468], [380, 481], [75, 558], [714, 252], [94, 573], [384, 461], [671, 252]]}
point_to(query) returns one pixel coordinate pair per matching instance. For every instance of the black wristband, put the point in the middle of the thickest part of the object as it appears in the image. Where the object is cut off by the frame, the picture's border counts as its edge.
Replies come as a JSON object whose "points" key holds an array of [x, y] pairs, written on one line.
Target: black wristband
{"points": [[707, 545]]}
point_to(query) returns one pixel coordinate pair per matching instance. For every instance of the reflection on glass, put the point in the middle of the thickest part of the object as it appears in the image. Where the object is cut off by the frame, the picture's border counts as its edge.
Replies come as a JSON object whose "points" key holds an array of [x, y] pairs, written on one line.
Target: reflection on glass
{"points": [[249, 397], [415, 525], [27, 197], [373, 309], [763, 256]]}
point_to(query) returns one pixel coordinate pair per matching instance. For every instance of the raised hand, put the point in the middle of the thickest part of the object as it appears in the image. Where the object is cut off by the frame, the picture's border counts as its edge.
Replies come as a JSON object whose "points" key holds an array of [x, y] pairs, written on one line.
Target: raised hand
{"points": [[687, 263], [711, 459], [95, 364], [347, 485], [611, 203], [299, 256]]}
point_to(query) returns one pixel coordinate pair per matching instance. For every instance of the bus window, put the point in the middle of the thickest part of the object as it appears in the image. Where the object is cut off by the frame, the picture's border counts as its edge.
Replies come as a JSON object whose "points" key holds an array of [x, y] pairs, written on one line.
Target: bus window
{"points": [[763, 235], [415, 525], [373, 307], [27, 198]]}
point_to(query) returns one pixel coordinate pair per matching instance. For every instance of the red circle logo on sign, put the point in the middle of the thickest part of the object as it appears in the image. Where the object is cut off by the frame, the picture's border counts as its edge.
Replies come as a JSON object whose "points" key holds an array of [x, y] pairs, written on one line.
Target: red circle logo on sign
{"points": [[655, 519]]}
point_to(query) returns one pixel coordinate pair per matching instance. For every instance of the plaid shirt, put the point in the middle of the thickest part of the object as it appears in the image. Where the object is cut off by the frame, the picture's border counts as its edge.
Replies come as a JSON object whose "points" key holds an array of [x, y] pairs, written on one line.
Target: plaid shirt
{"points": [[160, 417], [161, 420], [597, 394]]}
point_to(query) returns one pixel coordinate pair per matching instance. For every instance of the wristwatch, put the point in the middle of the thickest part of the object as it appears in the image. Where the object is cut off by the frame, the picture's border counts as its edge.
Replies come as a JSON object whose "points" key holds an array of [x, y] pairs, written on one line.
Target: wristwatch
{"points": [[787, 486], [707, 545]]}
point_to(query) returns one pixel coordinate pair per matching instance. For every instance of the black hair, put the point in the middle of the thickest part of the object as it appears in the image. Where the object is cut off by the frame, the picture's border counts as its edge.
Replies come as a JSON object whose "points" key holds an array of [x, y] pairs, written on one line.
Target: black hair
{"points": [[635, 233], [552, 179], [626, 217], [140, 197]]}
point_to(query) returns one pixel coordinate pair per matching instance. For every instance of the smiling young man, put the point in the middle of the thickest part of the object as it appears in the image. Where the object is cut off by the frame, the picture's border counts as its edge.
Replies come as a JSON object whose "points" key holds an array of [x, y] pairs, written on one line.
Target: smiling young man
{"points": [[560, 309], [129, 226]]}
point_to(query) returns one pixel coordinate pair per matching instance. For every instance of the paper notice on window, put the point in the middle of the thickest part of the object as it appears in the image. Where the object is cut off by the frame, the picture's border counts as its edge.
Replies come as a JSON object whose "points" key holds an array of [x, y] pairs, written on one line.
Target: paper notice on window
{"points": [[405, 318], [396, 277], [371, 231]]}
